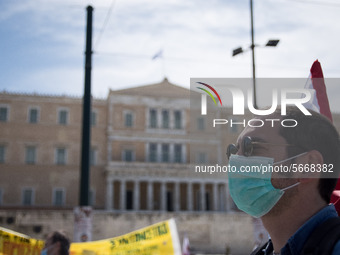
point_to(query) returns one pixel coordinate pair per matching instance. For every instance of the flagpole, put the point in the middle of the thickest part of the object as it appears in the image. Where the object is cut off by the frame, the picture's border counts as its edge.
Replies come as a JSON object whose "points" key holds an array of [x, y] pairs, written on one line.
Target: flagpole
{"points": [[253, 52], [163, 67], [160, 55]]}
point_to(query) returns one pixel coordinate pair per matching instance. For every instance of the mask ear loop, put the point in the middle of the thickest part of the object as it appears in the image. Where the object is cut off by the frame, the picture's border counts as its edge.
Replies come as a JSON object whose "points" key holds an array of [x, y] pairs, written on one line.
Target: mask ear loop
{"points": [[291, 186], [295, 184], [296, 156]]}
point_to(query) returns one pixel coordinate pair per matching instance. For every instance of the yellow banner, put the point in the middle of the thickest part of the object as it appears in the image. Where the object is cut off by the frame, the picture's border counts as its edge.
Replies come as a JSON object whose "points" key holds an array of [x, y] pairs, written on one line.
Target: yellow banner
{"points": [[13, 243], [160, 238]]}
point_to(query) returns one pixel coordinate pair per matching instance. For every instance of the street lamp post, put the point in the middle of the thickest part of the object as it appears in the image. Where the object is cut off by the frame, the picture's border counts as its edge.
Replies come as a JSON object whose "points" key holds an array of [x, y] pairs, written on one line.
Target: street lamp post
{"points": [[252, 46], [270, 43]]}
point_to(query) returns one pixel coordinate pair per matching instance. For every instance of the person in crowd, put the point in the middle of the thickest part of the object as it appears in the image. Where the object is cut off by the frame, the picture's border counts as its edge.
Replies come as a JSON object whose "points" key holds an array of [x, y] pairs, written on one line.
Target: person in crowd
{"points": [[293, 199], [57, 243]]}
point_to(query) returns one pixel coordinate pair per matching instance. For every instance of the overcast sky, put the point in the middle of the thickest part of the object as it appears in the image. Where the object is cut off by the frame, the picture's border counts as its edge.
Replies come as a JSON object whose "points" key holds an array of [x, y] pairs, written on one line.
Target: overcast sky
{"points": [[43, 42]]}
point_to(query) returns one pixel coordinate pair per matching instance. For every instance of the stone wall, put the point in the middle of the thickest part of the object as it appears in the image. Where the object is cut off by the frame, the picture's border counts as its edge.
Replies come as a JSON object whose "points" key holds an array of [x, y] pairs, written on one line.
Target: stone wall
{"points": [[208, 232]]}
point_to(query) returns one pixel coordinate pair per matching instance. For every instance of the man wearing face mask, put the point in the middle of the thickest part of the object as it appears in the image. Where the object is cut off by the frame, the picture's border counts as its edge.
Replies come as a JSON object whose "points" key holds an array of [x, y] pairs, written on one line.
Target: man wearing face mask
{"points": [[292, 201], [56, 243]]}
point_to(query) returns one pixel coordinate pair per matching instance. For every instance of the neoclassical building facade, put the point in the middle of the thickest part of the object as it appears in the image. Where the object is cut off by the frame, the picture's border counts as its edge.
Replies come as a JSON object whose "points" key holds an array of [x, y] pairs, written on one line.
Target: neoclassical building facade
{"points": [[143, 152]]}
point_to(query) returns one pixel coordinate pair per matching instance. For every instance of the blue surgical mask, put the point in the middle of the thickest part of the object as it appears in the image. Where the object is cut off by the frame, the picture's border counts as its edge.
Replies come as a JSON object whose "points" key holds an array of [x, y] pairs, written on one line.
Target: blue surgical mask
{"points": [[253, 192]]}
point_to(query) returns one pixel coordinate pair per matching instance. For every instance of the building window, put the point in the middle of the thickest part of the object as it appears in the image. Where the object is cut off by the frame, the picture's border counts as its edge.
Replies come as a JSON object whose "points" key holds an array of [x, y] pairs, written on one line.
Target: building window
{"points": [[128, 119], [165, 119], [128, 156], [28, 196], [31, 152], [3, 114], [33, 115], [58, 197], [165, 153], [93, 119], [200, 124], [92, 197], [63, 117], [178, 153], [93, 157], [198, 200], [153, 152], [153, 118], [2, 154], [207, 201], [178, 120], [60, 156], [129, 199], [201, 158]]}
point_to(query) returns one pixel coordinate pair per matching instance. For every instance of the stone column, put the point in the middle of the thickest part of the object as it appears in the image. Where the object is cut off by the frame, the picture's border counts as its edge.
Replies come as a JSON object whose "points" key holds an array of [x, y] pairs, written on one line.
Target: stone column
{"points": [[171, 119], [215, 196], [222, 197], [150, 196], [122, 195], [227, 196], [109, 151], [147, 153], [172, 152], [109, 194], [163, 196], [159, 118], [136, 196], [202, 197], [184, 153], [177, 199], [184, 121], [189, 196], [159, 152]]}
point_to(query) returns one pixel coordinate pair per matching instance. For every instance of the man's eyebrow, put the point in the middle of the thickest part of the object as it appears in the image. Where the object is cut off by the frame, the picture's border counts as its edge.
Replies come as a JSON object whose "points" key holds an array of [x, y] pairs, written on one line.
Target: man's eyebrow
{"points": [[253, 139], [258, 139]]}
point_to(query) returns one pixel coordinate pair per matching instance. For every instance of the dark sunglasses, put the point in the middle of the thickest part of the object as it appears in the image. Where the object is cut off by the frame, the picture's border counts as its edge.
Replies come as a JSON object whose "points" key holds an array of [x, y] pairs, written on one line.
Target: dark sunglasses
{"points": [[248, 147]]}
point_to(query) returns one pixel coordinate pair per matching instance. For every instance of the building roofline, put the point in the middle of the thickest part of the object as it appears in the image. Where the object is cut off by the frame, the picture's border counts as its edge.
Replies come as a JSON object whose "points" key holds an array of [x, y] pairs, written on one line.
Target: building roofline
{"points": [[164, 81], [46, 95]]}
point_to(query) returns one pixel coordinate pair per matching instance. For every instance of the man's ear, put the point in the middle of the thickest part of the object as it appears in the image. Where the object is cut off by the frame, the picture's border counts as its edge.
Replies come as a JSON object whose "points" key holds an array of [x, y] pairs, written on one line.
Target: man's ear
{"points": [[311, 162], [315, 157]]}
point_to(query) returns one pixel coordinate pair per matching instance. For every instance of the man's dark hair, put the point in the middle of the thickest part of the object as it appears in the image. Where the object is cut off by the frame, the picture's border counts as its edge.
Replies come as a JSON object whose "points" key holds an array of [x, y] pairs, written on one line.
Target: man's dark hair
{"points": [[59, 236], [314, 132]]}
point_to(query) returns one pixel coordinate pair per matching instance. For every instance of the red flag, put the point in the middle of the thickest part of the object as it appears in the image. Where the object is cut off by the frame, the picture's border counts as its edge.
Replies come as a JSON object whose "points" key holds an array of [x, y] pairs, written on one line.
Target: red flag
{"points": [[316, 83], [320, 104]]}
